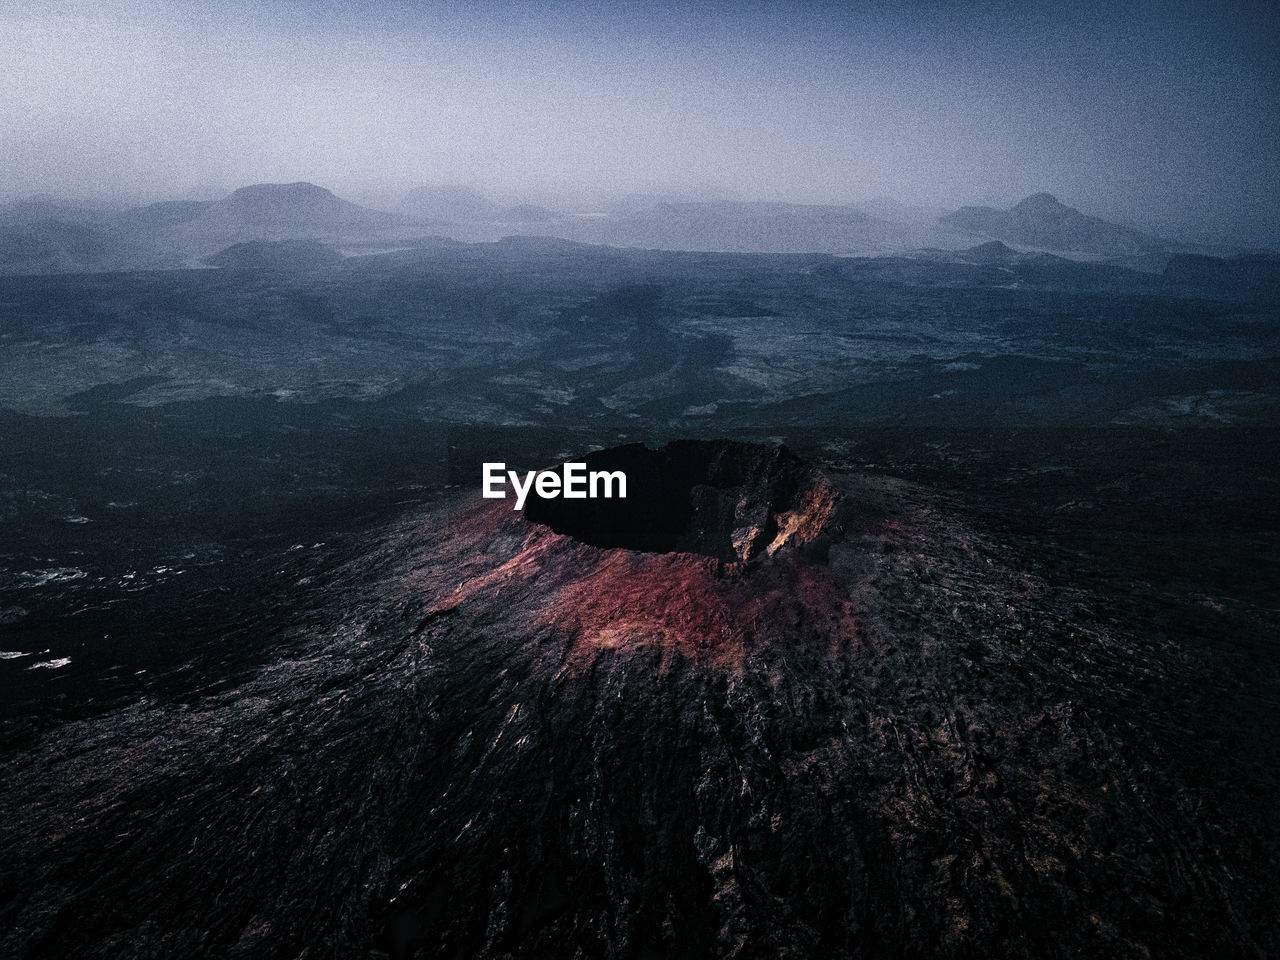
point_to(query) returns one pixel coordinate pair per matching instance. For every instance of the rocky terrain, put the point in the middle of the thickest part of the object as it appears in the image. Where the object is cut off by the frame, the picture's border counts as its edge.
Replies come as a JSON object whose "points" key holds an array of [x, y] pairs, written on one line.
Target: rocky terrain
{"points": [[876, 731], [986, 667]]}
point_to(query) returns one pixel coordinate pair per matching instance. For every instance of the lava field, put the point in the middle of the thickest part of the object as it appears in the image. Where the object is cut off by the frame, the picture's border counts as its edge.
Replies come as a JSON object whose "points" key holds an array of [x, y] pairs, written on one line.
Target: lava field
{"points": [[794, 713]]}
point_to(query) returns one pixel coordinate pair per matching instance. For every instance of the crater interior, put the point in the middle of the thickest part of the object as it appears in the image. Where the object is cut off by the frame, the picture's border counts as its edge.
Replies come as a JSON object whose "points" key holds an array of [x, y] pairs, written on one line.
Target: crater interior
{"points": [[721, 499]]}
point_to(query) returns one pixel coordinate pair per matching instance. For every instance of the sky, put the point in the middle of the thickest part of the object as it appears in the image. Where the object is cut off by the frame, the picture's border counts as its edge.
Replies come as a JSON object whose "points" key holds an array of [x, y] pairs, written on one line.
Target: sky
{"points": [[1163, 115]]}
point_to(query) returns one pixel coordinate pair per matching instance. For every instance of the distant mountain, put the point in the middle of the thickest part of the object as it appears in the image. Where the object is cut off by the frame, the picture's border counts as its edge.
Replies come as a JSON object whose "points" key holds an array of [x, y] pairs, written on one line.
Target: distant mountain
{"points": [[289, 211], [158, 216], [45, 234], [55, 246], [465, 214], [281, 256], [270, 213], [885, 208], [991, 253], [1041, 221], [42, 207], [207, 191], [636, 201], [745, 227], [182, 233]]}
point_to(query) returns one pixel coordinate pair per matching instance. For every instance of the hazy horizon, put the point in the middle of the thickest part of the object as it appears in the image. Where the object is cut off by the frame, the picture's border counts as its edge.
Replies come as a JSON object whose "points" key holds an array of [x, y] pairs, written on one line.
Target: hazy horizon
{"points": [[1164, 116]]}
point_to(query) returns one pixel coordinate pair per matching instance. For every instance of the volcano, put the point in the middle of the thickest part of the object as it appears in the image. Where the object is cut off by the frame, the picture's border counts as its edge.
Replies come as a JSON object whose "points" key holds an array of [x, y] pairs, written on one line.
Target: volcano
{"points": [[753, 710], [731, 502]]}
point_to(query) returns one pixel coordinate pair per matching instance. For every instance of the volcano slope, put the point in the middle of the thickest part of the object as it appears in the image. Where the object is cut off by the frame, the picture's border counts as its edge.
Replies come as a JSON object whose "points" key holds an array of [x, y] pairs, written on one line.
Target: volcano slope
{"points": [[754, 711]]}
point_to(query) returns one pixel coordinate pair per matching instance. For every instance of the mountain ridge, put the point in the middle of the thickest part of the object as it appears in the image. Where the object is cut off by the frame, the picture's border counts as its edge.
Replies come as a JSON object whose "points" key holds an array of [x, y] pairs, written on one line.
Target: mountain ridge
{"points": [[1041, 220]]}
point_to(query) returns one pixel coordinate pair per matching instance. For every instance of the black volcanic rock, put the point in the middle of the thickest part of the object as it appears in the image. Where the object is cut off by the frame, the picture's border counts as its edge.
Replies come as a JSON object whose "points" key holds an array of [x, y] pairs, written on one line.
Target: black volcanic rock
{"points": [[487, 736], [1042, 221]]}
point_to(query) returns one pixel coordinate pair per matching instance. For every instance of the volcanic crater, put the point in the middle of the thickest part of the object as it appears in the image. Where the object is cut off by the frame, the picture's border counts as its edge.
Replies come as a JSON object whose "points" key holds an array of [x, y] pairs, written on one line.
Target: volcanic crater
{"points": [[718, 546], [730, 501], [752, 711]]}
